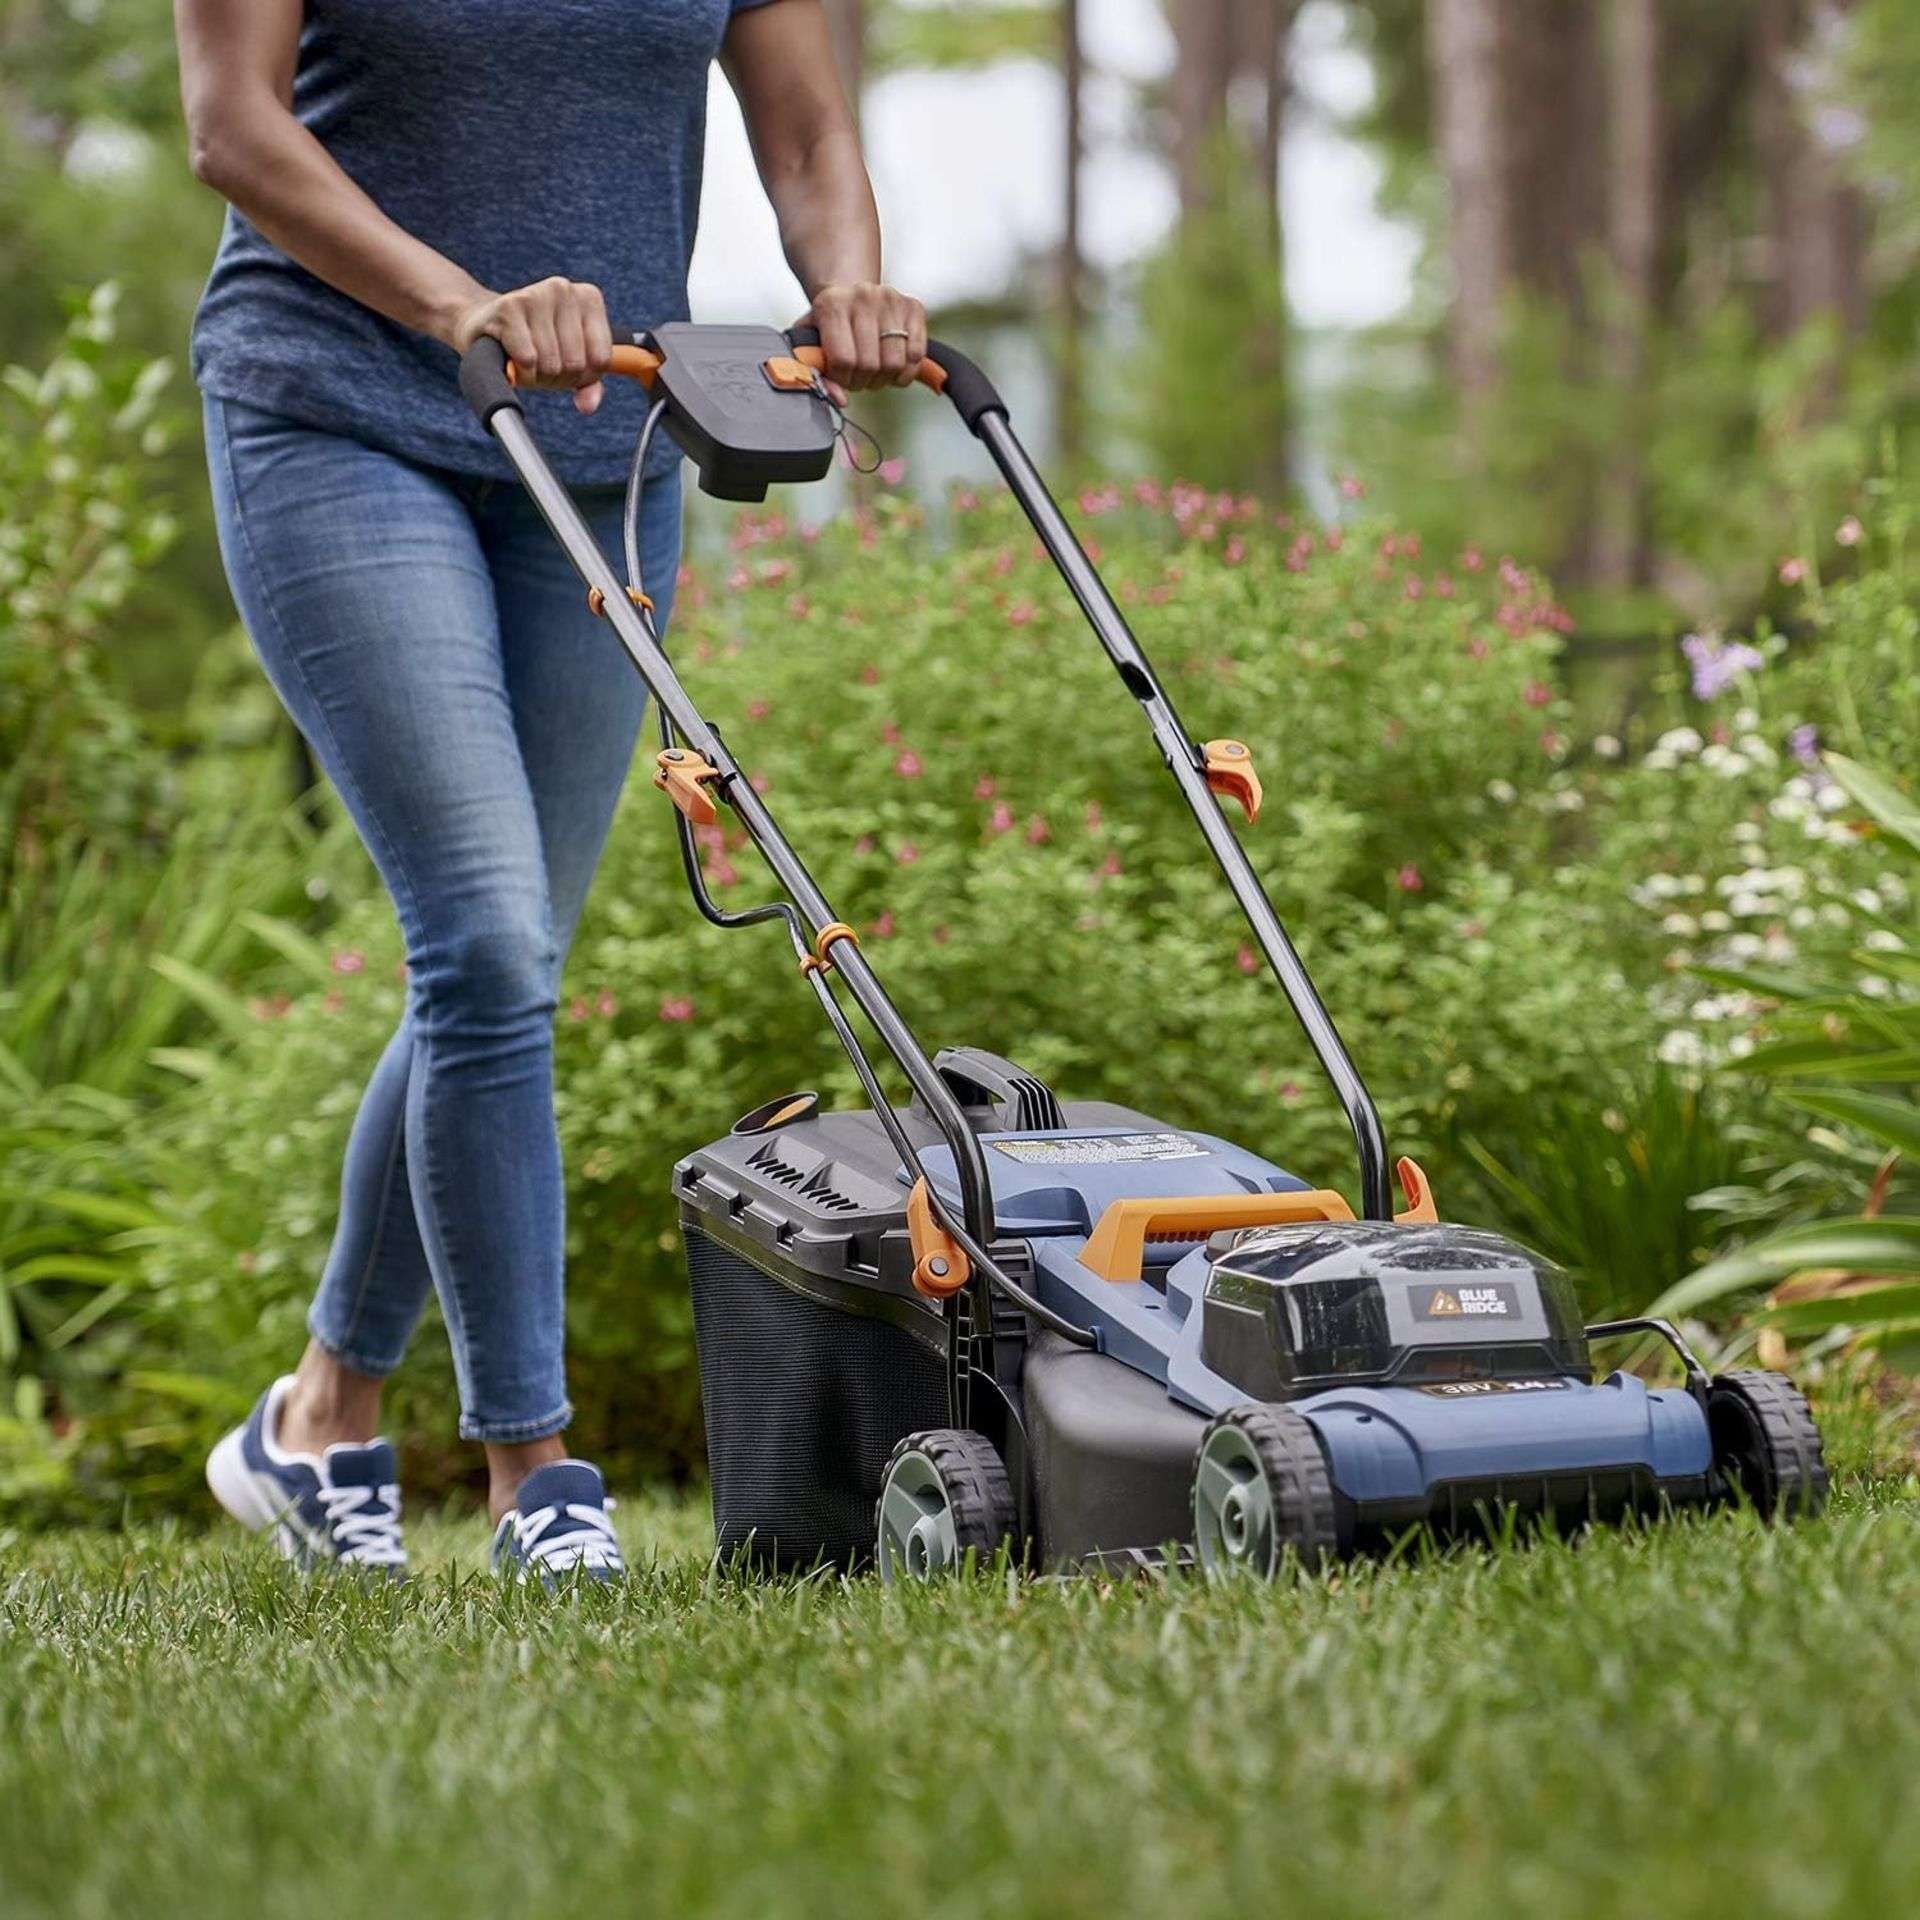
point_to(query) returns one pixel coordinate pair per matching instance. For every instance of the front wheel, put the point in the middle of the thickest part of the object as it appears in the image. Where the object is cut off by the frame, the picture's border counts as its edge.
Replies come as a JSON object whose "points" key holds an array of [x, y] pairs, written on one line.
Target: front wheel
{"points": [[1766, 1447], [945, 1497], [1261, 1495]]}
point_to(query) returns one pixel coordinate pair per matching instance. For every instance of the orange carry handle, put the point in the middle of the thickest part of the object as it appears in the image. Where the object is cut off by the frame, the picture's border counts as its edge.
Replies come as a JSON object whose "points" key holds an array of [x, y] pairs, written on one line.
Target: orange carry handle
{"points": [[636, 363], [940, 1269], [933, 378], [1117, 1249]]}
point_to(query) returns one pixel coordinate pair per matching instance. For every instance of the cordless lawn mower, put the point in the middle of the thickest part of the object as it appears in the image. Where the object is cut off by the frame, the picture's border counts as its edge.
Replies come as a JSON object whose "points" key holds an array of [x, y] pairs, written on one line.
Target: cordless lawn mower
{"points": [[991, 1318]]}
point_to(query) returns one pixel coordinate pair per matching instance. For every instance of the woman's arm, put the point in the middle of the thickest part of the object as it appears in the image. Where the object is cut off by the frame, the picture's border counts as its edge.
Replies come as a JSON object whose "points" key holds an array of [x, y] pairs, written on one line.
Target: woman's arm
{"points": [[780, 63], [236, 83]]}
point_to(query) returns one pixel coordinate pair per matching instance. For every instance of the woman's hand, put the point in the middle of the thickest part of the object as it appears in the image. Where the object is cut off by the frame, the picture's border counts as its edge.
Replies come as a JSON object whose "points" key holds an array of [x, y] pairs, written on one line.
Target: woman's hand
{"points": [[555, 332], [872, 335]]}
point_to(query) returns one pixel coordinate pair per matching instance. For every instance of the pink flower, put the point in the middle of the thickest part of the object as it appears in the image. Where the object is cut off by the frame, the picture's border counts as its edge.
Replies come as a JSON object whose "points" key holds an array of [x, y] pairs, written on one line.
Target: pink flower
{"points": [[758, 709], [890, 732], [759, 782], [772, 572], [882, 929], [893, 471], [1352, 487], [1290, 1091], [1415, 587], [1038, 832], [676, 1007], [607, 1004], [1477, 648], [941, 935], [1408, 879], [1235, 551], [1792, 572], [869, 675], [739, 578], [798, 606], [577, 1009], [965, 501], [684, 578], [332, 1000], [1001, 820], [1109, 866], [1850, 532], [348, 960], [1472, 560], [864, 844], [908, 766], [985, 787], [907, 853], [1094, 816], [1538, 694], [1551, 742], [1020, 613], [1246, 959]]}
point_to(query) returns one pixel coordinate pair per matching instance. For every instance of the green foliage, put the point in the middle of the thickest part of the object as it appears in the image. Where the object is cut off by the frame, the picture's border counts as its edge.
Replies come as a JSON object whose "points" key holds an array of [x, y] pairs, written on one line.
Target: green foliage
{"points": [[1863, 1039]]}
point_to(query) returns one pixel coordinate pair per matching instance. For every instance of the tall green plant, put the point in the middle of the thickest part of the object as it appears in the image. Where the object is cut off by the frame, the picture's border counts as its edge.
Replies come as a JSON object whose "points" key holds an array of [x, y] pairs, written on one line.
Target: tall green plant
{"points": [[1849, 1056]]}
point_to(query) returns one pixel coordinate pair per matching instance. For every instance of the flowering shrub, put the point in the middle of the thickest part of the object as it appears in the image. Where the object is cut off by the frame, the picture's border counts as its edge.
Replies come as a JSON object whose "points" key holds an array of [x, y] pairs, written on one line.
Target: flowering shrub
{"points": [[949, 748]]}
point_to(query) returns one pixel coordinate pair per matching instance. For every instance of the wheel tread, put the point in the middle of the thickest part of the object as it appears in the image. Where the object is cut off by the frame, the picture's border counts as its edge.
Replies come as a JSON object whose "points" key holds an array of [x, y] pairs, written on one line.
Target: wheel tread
{"points": [[1792, 1439], [979, 1495], [1295, 1466]]}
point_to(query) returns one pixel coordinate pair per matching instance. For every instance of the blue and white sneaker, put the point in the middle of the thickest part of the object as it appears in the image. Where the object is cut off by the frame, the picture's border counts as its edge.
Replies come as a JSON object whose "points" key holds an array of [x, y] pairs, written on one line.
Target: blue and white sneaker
{"points": [[559, 1528], [339, 1509]]}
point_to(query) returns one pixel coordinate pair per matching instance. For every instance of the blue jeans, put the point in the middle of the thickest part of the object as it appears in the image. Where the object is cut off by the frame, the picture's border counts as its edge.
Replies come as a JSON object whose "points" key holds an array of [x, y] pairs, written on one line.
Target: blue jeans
{"points": [[432, 643]]}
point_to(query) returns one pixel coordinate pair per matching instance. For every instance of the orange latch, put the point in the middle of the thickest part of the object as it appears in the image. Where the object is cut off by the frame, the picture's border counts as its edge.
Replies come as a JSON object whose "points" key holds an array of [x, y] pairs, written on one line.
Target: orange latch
{"points": [[1229, 766], [788, 374], [1117, 1248], [597, 601], [940, 1269], [821, 957], [684, 777], [1420, 1210]]}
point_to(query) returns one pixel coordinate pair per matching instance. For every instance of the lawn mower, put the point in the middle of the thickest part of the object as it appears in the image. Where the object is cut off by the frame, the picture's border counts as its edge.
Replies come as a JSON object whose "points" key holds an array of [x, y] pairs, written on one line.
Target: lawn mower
{"points": [[992, 1319]]}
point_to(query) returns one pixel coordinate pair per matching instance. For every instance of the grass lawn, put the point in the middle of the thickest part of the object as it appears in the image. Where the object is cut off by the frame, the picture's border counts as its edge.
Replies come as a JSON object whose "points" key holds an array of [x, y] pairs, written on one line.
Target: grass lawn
{"points": [[1709, 1718]]}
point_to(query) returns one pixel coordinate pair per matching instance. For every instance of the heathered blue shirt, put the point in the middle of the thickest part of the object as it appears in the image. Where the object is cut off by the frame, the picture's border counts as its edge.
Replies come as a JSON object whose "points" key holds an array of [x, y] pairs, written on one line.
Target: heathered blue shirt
{"points": [[519, 140]]}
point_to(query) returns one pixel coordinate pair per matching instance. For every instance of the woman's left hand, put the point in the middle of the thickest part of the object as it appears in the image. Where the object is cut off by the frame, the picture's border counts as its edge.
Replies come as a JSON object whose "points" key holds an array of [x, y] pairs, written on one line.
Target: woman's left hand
{"points": [[872, 335]]}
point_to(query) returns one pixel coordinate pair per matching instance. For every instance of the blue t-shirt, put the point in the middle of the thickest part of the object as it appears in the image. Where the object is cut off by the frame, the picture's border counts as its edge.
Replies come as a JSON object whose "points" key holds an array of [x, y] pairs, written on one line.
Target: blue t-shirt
{"points": [[520, 141]]}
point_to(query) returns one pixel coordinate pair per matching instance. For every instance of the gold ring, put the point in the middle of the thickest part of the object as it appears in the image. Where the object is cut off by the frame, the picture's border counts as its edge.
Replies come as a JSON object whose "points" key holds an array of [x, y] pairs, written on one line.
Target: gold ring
{"points": [[895, 333]]}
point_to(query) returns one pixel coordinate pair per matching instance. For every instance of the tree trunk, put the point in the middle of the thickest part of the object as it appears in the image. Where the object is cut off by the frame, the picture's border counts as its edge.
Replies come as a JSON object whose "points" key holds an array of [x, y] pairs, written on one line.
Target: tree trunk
{"points": [[1072, 288], [1817, 219], [1206, 47], [1618, 555]]}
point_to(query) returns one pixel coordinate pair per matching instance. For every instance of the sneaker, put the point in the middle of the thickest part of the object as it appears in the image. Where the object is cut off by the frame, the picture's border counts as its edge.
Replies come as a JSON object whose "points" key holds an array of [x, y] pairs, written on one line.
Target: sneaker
{"points": [[339, 1508], [559, 1528]]}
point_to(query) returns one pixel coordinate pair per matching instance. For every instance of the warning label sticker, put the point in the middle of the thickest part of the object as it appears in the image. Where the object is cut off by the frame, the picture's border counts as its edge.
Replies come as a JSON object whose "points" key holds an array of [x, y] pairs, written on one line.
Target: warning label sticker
{"points": [[1083, 1149], [1479, 1389], [1495, 1300]]}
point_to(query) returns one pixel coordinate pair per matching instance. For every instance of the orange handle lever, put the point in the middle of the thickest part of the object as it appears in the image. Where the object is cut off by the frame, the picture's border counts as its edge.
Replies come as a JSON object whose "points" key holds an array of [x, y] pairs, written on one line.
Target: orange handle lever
{"points": [[636, 363], [933, 378], [1117, 1249]]}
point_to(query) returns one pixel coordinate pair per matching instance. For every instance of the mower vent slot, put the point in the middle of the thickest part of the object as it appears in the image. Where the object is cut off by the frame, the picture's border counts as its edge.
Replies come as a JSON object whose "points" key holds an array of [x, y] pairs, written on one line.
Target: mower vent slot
{"points": [[816, 1187]]}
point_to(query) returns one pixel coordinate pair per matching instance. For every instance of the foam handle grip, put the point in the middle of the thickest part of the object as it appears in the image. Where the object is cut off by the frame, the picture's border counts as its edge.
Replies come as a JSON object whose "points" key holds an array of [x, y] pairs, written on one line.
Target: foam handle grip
{"points": [[483, 379]]}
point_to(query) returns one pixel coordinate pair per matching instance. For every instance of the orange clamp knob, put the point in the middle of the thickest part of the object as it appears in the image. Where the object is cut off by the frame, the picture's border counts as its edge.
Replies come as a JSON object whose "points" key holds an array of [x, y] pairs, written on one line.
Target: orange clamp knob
{"points": [[684, 777], [940, 1269], [1229, 770]]}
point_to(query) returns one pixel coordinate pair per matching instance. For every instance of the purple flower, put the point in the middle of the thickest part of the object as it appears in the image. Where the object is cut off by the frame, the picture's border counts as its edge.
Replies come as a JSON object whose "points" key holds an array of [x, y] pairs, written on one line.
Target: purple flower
{"points": [[1717, 664], [1804, 744]]}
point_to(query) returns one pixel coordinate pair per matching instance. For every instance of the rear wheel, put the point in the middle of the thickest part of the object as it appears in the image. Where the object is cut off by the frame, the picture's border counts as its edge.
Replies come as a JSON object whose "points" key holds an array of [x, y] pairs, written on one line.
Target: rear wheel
{"points": [[1261, 1493], [1766, 1447], [945, 1496]]}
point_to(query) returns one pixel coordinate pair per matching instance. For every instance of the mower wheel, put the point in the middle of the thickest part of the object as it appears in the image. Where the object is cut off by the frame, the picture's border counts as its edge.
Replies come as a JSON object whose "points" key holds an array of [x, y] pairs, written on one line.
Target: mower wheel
{"points": [[945, 1496], [1766, 1448], [1261, 1494]]}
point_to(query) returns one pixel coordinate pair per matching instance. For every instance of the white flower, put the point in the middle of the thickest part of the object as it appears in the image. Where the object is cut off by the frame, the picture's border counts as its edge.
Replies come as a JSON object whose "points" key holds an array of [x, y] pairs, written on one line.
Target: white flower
{"points": [[1867, 900], [1682, 925], [1875, 987], [1748, 831], [1693, 883], [1801, 917], [1503, 791], [1746, 946], [1835, 915], [1746, 719], [1740, 1046], [1714, 922], [1682, 1048], [1606, 746], [1678, 740], [1831, 799], [1883, 940], [1569, 800]]}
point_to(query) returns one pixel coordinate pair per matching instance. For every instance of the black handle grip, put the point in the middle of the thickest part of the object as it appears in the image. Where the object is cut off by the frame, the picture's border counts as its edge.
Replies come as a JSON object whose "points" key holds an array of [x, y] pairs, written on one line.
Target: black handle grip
{"points": [[971, 392], [483, 379]]}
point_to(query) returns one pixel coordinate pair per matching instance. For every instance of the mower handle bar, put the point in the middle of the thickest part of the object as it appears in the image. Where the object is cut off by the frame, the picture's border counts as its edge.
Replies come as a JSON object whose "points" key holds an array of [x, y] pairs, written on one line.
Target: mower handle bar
{"points": [[487, 376], [489, 390]]}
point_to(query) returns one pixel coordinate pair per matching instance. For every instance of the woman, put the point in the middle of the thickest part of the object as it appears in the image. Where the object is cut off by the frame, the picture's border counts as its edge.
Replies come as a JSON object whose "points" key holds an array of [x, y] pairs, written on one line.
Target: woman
{"points": [[404, 176]]}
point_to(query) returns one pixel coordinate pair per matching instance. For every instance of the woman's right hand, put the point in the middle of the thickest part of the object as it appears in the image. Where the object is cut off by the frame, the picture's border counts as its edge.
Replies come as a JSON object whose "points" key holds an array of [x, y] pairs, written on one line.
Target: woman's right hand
{"points": [[555, 332]]}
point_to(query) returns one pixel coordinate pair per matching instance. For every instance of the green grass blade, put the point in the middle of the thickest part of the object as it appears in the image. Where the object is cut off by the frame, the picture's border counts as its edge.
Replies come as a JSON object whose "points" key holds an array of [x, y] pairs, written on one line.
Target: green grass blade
{"points": [[1894, 1123]]}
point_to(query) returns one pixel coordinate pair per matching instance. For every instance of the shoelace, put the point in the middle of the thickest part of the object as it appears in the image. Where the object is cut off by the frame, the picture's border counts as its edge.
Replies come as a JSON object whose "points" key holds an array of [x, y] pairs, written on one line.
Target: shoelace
{"points": [[592, 1545], [365, 1539]]}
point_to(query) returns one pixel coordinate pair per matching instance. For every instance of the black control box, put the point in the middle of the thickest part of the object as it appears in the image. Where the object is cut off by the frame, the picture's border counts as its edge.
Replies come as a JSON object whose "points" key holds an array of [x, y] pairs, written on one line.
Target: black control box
{"points": [[741, 431]]}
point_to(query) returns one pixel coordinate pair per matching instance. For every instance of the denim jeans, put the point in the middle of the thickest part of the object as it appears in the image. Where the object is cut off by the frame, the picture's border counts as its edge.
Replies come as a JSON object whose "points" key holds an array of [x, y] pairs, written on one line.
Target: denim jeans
{"points": [[432, 643]]}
